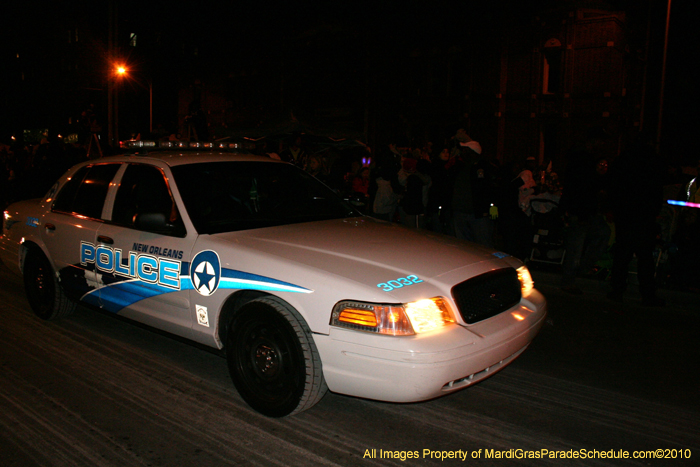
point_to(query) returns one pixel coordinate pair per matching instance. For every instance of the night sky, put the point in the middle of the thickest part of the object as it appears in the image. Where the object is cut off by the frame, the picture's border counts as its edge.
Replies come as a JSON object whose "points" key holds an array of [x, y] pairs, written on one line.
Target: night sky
{"points": [[245, 36]]}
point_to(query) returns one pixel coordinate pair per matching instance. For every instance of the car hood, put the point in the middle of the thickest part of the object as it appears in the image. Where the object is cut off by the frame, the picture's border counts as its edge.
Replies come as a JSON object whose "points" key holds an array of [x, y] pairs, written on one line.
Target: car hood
{"points": [[362, 249]]}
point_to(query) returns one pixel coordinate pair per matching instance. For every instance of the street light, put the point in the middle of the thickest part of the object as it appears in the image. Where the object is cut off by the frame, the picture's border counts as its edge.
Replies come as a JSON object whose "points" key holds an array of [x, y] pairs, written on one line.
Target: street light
{"points": [[122, 71], [119, 72]]}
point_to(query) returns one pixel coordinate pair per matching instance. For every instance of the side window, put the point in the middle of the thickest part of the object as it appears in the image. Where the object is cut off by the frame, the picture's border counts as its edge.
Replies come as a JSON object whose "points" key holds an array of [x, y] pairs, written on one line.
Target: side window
{"points": [[144, 190], [84, 194]]}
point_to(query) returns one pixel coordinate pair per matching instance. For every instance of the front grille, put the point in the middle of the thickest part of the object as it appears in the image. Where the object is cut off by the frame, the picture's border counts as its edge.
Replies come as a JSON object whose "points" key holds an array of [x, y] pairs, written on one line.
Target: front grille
{"points": [[487, 295]]}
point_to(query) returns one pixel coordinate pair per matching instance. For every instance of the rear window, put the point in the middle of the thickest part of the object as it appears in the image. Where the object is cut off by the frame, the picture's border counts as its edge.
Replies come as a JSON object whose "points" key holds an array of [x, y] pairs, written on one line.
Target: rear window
{"points": [[84, 194]]}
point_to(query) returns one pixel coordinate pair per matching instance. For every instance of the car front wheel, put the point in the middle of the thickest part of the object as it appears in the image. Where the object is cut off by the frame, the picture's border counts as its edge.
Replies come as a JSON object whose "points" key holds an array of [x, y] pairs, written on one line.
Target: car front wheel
{"points": [[273, 360], [44, 294]]}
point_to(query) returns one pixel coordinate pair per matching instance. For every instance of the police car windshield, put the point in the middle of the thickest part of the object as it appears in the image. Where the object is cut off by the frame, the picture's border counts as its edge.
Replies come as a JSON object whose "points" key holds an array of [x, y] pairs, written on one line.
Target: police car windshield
{"points": [[228, 196]]}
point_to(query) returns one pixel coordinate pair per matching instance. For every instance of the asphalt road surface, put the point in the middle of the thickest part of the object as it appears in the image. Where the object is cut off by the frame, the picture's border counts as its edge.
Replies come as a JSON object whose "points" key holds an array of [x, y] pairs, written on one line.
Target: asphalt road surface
{"points": [[600, 379]]}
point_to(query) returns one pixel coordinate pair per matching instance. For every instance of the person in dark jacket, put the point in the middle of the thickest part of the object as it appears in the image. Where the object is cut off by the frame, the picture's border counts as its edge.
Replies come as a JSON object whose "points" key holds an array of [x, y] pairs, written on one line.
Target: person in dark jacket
{"points": [[438, 210], [485, 182], [411, 206], [468, 217], [295, 153], [636, 194], [587, 232]]}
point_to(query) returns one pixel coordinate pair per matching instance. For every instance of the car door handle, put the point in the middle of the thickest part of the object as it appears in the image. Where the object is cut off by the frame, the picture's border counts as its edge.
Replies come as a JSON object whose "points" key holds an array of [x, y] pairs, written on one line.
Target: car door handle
{"points": [[50, 227], [104, 239]]}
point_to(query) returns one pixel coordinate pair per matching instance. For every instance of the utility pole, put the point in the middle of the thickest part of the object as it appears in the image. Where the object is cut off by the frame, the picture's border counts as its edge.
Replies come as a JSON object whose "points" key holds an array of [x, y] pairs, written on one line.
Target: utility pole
{"points": [[110, 81], [663, 77], [112, 97]]}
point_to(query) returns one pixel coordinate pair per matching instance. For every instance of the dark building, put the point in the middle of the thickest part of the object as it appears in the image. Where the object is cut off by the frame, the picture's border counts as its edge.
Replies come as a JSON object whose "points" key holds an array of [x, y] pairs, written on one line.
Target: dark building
{"points": [[532, 90], [563, 74]]}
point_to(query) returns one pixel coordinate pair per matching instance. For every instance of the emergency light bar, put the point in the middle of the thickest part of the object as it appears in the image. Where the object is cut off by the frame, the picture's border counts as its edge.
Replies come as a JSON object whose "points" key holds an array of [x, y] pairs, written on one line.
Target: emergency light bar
{"points": [[206, 145]]}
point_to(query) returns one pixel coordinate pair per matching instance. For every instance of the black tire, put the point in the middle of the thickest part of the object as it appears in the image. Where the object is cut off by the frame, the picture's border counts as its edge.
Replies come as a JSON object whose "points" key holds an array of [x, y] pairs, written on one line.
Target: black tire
{"points": [[44, 294], [273, 360]]}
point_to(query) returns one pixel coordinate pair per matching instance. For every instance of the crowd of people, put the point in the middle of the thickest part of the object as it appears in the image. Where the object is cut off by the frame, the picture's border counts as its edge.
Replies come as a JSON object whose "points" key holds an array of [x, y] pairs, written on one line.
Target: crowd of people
{"points": [[607, 212], [458, 190], [29, 170]]}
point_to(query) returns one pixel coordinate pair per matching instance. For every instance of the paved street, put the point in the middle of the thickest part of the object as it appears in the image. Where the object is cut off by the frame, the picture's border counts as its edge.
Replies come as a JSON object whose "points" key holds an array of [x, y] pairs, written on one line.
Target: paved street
{"points": [[93, 390]]}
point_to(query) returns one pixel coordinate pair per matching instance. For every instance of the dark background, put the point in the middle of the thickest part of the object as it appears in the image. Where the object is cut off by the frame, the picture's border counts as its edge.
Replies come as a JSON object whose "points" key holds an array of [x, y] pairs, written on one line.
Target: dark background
{"points": [[353, 65]]}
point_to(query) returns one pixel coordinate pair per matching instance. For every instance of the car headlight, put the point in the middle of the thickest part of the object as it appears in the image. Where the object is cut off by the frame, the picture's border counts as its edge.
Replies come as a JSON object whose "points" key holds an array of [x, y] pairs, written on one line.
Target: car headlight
{"points": [[404, 319], [526, 282]]}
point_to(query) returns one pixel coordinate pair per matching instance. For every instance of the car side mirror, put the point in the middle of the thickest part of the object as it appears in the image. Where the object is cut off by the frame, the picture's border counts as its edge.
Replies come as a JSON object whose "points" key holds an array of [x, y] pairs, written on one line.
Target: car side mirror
{"points": [[153, 222]]}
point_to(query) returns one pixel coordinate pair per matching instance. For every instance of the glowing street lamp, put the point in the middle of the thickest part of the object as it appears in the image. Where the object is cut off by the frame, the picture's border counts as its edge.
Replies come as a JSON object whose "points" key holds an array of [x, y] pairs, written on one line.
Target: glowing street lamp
{"points": [[119, 72], [122, 71]]}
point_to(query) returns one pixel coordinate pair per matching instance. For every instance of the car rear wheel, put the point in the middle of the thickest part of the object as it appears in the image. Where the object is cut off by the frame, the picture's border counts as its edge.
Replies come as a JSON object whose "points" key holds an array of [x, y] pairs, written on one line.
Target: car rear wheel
{"points": [[44, 294], [273, 360]]}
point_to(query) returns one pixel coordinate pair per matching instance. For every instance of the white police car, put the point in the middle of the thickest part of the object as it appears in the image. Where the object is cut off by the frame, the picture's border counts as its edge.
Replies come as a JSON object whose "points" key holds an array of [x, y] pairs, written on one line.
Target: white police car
{"points": [[253, 256]]}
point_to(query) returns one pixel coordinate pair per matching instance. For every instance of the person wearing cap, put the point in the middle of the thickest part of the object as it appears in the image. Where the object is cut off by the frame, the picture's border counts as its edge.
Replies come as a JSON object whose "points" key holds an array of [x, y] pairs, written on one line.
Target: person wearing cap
{"points": [[470, 220]]}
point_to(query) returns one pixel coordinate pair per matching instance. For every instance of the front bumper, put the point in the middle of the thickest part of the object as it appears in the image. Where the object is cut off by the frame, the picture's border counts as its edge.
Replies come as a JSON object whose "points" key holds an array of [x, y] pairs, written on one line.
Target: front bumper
{"points": [[425, 366]]}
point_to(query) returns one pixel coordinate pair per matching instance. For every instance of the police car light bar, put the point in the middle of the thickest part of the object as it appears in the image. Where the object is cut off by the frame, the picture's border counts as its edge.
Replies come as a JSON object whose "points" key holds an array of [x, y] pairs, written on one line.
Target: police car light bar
{"points": [[181, 145], [141, 144]]}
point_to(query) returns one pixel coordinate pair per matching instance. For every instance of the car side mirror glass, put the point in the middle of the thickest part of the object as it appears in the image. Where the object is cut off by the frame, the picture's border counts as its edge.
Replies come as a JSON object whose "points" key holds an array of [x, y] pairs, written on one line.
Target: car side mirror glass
{"points": [[153, 222]]}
